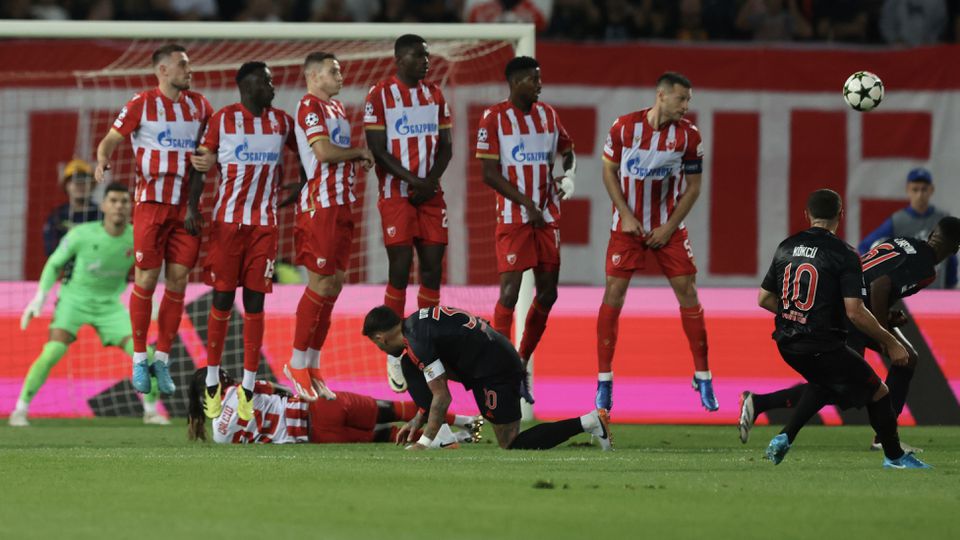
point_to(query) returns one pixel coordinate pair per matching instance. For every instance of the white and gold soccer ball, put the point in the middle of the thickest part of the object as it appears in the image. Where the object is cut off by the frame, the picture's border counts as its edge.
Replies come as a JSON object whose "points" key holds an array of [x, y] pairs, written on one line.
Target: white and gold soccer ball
{"points": [[863, 91]]}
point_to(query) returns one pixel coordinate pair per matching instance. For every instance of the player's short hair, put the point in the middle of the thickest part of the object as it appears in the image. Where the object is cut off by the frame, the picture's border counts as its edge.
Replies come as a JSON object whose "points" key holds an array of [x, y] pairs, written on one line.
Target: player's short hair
{"points": [[406, 41], [379, 319], [824, 204], [317, 58], [249, 68], [165, 51], [950, 229], [116, 186], [670, 78], [518, 65]]}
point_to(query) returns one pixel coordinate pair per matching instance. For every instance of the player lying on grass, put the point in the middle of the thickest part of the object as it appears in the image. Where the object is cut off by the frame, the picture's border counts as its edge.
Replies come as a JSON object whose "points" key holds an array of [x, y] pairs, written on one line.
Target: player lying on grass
{"points": [[102, 255], [894, 269], [448, 343], [279, 417]]}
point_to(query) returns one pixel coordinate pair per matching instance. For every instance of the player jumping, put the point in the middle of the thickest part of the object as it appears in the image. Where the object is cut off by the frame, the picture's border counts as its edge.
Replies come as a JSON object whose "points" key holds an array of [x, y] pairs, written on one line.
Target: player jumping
{"points": [[448, 343], [163, 125], [652, 165], [102, 253], [517, 142], [407, 124], [246, 140], [325, 223], [815, 280]]}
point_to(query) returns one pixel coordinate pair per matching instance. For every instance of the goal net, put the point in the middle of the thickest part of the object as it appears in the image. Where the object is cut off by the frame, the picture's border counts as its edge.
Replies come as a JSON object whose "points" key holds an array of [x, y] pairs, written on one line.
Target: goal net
{"points": [[62, 109]]}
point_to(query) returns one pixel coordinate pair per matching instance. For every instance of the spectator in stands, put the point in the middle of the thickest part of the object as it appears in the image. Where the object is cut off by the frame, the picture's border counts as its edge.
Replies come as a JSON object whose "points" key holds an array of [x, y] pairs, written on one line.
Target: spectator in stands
{"points": [[719, 18], [690, 21], [916, 221], [261, 11], [77, 182], [574, 19], [393, 11], [50, 10], [524, 11], [841, 20], [773, 20], [331, 11], [439, 11], [357, 10], [913, 22], [192, 10], [634, 19]]}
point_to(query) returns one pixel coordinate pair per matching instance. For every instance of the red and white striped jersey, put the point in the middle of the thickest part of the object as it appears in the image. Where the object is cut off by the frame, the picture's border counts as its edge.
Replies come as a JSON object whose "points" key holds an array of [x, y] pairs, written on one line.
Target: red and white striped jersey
{"points": [[329, 184], [249, 157], [527, 146], [412, 119], [164, 134], [653, 164], [276, 419]]}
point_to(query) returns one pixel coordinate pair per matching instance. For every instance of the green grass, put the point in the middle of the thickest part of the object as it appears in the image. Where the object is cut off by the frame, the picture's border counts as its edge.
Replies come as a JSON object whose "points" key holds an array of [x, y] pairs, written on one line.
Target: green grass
{"points": [[117, 479]]}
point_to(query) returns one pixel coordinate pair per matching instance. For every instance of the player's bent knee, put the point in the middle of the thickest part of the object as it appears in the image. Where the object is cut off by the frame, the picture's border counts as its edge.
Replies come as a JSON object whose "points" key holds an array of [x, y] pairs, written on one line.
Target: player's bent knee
{"points": [[882, 391]]}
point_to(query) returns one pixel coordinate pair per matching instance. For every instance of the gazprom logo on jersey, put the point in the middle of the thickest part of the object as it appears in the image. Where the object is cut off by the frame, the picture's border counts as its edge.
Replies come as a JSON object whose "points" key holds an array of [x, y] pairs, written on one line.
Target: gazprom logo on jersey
{"points": [[404, 127], [520, 154], [243, 153], [166, 139], [633, 166], [338, 138]]}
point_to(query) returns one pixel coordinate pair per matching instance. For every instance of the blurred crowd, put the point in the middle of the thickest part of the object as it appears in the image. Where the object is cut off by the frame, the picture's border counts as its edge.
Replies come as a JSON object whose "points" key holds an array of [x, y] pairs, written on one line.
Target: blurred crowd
{"points": [[901, 22]]}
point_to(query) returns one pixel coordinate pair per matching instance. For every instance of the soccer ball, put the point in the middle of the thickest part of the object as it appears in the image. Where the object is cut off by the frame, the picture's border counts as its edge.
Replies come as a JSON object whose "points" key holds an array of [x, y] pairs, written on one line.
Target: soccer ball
{"points": [[863, 91]]}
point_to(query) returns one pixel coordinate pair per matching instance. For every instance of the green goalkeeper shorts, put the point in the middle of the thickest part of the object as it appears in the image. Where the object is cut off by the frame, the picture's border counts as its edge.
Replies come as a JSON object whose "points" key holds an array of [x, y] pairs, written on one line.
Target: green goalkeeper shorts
{"points": [[111, 321]]}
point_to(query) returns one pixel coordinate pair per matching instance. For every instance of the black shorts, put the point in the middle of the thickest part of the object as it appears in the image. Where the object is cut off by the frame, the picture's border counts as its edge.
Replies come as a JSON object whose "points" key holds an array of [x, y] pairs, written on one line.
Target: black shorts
{"points": [[498, 398], [844, 374]]}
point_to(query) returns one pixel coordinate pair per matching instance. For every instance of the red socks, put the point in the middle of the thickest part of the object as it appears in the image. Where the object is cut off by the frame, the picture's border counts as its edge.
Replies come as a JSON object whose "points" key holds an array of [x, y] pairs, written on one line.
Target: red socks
{"points": [[404, 411], [608, 322], [217, 323], [252, 340], [141, 307], [307, 312], [168, 321], [323, 322], [503, 320], [533, 329], [696, 331], [427, 297], [395, 299]]}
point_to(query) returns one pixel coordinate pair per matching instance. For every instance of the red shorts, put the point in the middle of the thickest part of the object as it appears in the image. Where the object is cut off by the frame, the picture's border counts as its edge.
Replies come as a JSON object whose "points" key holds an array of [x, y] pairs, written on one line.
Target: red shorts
{"points": [[159, 235], [626, 254], [240, 255], [323, 238], [521, 246], [351, 418], [403, 222]]}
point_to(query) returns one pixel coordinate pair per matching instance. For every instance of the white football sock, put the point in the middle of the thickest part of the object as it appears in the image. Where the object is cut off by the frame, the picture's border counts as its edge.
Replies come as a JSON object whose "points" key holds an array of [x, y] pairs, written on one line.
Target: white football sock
{"points": [[313, 358], [249, 379], [605, 376], [703, 375], [298, 360], [213, 375], [139, 357], [149, 407], [159, 356], [589, 422]]}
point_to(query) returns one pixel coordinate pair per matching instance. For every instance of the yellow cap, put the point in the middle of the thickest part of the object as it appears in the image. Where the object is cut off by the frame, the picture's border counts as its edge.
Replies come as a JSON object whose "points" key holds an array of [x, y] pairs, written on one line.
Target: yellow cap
{"points": [[74, 168]]}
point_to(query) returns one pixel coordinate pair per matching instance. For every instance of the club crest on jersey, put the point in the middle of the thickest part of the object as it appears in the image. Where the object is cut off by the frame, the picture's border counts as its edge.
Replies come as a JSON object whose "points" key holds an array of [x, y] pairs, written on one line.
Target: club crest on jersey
{"points": [[139, 256], [404, 127], [274, 125], [391, 231], [369, 112], [671, 145], [166, 139], [615, 258], [321, 262], [511, 258], [519, 154]]}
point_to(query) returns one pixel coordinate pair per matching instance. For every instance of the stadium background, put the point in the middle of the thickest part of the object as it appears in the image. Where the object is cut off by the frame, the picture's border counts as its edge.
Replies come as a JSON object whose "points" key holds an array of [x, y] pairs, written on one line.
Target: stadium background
{"points": [[775, 127]]}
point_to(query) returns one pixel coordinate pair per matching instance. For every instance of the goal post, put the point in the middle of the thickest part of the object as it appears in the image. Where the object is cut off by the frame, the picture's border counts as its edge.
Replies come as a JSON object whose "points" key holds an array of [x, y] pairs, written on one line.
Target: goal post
{"points": [[469, 68]]}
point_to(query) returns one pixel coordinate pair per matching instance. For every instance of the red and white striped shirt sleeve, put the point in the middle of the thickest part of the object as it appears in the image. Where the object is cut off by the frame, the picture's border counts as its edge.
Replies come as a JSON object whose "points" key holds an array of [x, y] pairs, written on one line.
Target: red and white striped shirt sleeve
{"points": [[310, 119], [373, 113], [488, 136], [693, 155], [613, 148], [211, 137], [128, 119], [445, 119]]}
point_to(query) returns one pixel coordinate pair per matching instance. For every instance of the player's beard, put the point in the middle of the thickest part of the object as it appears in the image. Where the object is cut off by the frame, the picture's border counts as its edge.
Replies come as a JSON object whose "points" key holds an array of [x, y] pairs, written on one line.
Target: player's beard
{"points": [[181, 85]]}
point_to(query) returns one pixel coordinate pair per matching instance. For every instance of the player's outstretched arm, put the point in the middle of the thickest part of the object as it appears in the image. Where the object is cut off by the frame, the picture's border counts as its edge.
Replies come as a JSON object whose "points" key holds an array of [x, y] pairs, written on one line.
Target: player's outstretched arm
{"points": [[628, 222], [493, 177], [377, 142], [861, 317], [108, 145], [66, 250]]}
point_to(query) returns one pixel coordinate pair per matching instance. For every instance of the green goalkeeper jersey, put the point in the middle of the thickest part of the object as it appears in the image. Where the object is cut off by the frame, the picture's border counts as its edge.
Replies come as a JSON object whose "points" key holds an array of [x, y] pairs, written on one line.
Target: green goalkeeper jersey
{"points": [[101, 264]]}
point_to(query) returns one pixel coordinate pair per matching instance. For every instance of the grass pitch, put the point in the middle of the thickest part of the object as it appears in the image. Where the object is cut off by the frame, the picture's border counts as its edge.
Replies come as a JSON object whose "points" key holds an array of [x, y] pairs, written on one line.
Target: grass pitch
{"points": [[109, 478]]}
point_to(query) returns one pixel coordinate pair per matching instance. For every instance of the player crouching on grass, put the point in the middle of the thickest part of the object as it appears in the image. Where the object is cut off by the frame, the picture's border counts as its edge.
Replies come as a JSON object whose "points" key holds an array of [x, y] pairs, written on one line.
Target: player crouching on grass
{"points": [[102, 255], [448, 343], [280, 418]]}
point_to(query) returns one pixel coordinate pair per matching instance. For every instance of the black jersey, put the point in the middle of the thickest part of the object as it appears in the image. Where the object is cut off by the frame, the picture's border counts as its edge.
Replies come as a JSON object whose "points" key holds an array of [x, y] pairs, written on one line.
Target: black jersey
{"points": [[466, 346], [812, 272], [910, 263]]}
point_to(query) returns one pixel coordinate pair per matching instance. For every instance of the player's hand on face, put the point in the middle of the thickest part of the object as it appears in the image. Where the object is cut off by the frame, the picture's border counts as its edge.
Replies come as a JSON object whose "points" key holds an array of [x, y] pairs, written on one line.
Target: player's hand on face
{"points": [[897, 354], [658, 237], [193, 222], [896, 318], [629, 224], [202, 162], [100, 172]]}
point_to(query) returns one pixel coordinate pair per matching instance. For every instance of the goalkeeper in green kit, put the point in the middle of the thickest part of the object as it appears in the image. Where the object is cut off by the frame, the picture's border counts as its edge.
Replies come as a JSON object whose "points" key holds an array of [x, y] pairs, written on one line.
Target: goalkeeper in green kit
{"points": [[103, 255]]}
